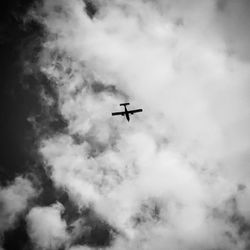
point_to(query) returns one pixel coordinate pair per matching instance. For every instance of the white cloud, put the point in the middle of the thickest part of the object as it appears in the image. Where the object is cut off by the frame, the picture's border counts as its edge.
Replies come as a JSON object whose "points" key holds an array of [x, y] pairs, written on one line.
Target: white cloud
{"points": [[13, 201], [46, 228], [80, 248], [188, 150]]}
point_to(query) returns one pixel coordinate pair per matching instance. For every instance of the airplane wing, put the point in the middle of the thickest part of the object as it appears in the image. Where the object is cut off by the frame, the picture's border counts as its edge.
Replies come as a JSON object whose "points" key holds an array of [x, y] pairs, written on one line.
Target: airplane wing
{"points": [[134, 111], [118, 113]]}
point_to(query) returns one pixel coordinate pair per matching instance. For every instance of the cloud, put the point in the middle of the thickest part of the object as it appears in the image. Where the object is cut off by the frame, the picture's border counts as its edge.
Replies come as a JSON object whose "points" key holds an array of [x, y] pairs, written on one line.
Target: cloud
{"points": [[14, 200], [233, 22], [80, 248], [46, 228], [169, 176]]}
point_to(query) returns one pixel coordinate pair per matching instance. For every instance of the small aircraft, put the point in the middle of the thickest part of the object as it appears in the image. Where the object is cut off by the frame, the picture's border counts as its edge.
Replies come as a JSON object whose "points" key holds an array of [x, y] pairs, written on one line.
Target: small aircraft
{"points": [[126, 112]]}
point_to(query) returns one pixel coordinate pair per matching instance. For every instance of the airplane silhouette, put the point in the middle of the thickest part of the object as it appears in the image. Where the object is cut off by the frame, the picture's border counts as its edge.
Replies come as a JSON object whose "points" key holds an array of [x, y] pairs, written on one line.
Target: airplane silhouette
{"points": [[126, 112]]}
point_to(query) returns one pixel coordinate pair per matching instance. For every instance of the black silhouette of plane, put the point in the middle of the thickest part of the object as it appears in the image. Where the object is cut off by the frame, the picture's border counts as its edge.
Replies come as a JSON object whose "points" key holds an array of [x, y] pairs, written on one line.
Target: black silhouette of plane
{"points": [[127, 112]]}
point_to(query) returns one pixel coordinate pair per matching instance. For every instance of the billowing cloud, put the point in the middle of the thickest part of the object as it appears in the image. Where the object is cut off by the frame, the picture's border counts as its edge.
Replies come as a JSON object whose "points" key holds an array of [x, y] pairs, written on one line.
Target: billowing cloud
{"points": [[46, 228], [177, 174], [13, 201]]}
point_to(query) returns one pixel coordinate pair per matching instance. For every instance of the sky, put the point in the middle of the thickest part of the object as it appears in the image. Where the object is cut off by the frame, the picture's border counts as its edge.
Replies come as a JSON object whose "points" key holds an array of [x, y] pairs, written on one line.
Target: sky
{"points": [[174, 177]]}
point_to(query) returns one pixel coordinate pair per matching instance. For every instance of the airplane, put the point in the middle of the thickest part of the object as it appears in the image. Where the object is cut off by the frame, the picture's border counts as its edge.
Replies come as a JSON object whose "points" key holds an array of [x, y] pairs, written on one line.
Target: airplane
{"points": [[126, 112]]}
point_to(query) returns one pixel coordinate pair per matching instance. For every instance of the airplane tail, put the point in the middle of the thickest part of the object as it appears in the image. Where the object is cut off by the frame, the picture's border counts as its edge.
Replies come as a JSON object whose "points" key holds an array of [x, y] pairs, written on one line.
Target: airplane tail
{"points": [[124, 104]]}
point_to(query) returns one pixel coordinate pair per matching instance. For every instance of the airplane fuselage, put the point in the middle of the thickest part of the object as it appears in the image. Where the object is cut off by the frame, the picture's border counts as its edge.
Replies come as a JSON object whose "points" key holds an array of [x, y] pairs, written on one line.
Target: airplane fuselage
{"points": [[126, 113]]}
